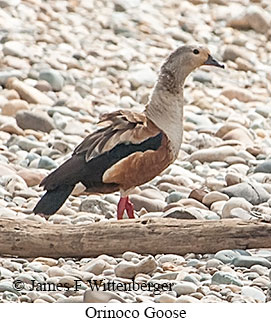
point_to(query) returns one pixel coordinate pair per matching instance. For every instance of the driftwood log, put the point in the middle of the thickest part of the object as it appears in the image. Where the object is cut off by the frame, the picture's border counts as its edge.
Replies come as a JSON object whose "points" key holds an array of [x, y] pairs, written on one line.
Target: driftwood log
{"points": [[26, 238]]}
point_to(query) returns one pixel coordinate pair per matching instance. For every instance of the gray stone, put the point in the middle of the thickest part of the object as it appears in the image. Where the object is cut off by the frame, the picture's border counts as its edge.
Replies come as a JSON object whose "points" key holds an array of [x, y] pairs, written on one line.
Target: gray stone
{"points": [[252, 192], [221, 277], [263, 110], [63, 111], [109, 259], [187, 299], [7, 213], [151, 205], [212, 197], [60, 121], [9, 296], [101, 82], [83, 219], [55, 271], [262, 282], [254, 293], [96, 266], [184, 288], [109, 272], [192, 279], [260, 270], [226, 256], [46, 162], [242, 252], [265, 253], [12, 265], [59, 218], [165, 298], [47, 261], [264, 167], [53, 77], [32, 156], [35, 266], [240, 214], [15, 184], [97, 205], [127, 269], [202, 77], [182, 213], [200, 120], [212, 217], [129, 255], [213, 263], [5, 273], [143, 76], [175, 259], [93, 296], [8, 286], [248, 261], [174, 197], [5, 75], [193, 263], [61, 146], [212, 154], [15, 48], [235, 203], [205, 278], [251, 276], [36, 120]]}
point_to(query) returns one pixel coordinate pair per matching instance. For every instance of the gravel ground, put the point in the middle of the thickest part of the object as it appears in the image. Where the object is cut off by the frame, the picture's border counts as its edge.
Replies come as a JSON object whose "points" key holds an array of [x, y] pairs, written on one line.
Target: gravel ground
{"points": [[63, 64]]}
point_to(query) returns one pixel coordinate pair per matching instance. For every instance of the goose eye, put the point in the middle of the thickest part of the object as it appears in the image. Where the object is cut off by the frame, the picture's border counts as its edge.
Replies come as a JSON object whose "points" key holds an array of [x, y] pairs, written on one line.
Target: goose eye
{"points": [[196, 51]]}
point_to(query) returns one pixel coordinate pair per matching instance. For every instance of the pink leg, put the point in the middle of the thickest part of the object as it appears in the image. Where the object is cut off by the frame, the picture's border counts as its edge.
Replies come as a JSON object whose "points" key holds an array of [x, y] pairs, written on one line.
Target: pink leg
{"points": [[121, 207], [125, 204], [129, 209]]}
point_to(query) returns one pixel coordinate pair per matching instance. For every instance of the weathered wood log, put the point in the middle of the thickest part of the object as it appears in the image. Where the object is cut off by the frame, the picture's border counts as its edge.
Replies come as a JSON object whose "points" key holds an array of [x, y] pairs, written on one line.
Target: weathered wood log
{"points": [[26, 238]]}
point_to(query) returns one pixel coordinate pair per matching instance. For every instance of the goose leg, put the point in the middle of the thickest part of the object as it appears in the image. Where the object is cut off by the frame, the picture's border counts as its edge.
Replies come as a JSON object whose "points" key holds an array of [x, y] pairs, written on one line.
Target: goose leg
{"points": [[125, 204], [129, 209]]}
